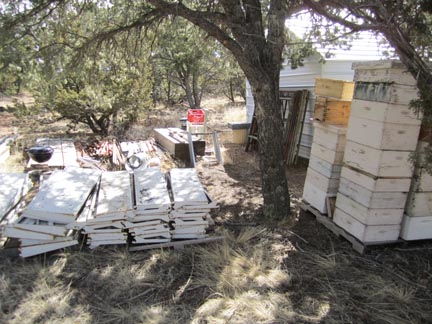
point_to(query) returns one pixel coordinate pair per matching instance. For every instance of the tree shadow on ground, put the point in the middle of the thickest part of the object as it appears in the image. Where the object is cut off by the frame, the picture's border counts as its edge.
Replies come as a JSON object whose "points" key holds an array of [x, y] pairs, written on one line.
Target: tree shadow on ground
{"points": [[339, 285]]}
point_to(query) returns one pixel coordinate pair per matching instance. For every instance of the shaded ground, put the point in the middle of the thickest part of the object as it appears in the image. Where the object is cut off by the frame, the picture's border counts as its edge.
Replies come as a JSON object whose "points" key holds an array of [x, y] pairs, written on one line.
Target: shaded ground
{"points": [[264, 272]]}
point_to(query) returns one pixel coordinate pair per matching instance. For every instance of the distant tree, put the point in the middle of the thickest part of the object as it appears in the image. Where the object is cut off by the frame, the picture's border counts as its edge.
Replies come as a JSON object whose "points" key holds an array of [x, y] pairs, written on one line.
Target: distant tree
{"points": [[186, 59], [105, 93], [232, 79], [103, 90]]}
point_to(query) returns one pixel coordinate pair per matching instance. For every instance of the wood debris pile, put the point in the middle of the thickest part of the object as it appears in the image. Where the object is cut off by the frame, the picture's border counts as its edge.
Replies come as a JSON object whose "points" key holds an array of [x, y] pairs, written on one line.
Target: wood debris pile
{"points": [[143, 207]]}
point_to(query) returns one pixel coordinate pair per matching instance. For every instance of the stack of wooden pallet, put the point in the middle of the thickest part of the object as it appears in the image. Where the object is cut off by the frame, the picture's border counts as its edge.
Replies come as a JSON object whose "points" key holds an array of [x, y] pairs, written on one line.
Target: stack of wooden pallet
{"points": [[150, 222], [114, 205], [331, 115], [61, 199], [191, 207], [417, 221], [382, 134]]}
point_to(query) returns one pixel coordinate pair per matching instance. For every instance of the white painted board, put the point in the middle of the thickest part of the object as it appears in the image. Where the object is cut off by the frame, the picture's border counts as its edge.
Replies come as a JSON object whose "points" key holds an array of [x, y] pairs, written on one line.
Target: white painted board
{"points": [[11, 231], [63, 195], [191, 222], [369, 216], [47, 229], [419, 204], [416, 228], [373, 183], [107, 236], [384, 112], [151, 189], [372, 199], [378, 163], [316, 197], [383, 136], [366, 233], [30, 242], [385, 92], [322, 182], [115, 194], [387, 71], [141, 240], [330, 136], [422, 181], [95, 244], [187, 188], [143, 218], [11, 190], [326, 154], [29, 251], [325, 168]]}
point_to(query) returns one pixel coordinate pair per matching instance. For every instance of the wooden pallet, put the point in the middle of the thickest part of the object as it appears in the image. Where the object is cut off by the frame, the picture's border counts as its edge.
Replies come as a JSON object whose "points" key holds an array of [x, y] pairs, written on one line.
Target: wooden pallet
{"points": [[358, 246]]}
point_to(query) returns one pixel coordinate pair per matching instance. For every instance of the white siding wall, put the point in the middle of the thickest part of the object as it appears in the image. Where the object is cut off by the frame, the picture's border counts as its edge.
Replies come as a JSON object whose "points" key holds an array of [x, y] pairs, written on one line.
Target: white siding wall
{"points": [[302, 77], [339, 70]]}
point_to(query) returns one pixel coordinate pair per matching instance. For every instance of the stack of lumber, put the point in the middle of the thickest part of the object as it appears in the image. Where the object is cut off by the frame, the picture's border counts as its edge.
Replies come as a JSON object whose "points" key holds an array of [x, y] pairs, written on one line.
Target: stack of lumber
{"points": [[13, 186], [64, 154], [113, 206], [417, 220], [191, 205], [325, 164], [332, 110], [150, 222], [382, 134], [61, 199]]}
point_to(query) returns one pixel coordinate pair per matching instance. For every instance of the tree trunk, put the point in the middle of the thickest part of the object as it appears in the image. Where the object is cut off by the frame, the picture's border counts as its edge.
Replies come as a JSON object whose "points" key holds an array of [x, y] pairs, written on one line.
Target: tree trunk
{"points": [[189, 92], [196, 90], [270, 133]]}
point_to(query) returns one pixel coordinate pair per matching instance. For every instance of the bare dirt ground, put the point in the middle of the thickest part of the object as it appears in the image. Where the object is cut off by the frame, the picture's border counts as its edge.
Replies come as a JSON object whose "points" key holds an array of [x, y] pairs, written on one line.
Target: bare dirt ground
{"points": [[264, 272]]}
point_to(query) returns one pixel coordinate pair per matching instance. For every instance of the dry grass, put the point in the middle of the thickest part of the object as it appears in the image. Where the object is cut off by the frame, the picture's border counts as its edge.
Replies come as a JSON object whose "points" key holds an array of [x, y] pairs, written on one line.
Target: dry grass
{"points": [[245, 279], [235, 280]]}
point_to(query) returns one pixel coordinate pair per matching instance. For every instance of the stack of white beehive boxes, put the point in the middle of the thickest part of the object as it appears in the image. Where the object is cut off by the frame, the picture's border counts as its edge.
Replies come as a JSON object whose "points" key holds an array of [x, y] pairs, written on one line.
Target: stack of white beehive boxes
{"points": [[332, 110], [417, 221], [382, 133]]}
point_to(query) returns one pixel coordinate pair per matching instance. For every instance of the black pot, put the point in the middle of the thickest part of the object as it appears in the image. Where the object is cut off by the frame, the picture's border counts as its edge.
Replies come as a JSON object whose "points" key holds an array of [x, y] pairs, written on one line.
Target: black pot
{"points": [[40, 153]]}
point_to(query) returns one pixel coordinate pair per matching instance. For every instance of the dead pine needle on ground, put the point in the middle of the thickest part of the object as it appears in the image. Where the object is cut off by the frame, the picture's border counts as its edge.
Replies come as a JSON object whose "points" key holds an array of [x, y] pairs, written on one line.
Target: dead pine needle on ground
{"points": [[263, 272]]}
